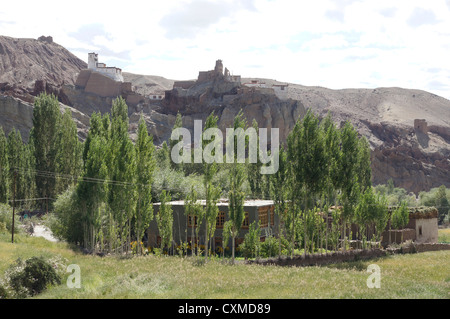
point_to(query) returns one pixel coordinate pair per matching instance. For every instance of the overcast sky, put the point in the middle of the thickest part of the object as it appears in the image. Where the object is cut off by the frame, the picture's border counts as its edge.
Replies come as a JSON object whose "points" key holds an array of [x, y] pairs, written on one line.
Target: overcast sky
{"points": [[331, 43]]}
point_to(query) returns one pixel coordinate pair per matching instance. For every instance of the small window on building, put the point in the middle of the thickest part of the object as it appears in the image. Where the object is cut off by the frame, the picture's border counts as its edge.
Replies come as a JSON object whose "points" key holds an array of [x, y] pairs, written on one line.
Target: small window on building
{"points": [[245, 223], [272, 216], [263, 217], [420, 230], [220, 220]]}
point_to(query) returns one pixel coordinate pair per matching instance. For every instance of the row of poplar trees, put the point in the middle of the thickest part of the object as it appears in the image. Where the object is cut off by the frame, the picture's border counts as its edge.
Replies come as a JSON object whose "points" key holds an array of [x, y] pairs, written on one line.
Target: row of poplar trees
{"points": [[321, 166], [34, 172], [109, 179]]}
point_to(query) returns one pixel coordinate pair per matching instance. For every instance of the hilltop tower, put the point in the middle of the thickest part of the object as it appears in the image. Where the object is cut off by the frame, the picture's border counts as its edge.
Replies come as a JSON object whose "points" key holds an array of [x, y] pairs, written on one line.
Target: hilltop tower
{"points": [[111, 72], [92, 60]]}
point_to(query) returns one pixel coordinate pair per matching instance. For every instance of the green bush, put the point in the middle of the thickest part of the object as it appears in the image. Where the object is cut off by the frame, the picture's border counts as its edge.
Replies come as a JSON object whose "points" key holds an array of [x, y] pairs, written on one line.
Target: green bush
{"points": [[270, 247], [31, 277], [6, 218], [3, 228], [251, 244]]}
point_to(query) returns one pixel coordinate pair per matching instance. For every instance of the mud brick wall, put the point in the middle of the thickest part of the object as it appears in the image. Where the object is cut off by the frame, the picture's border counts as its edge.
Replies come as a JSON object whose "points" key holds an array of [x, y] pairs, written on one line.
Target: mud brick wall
{"points": [[322, 259]]}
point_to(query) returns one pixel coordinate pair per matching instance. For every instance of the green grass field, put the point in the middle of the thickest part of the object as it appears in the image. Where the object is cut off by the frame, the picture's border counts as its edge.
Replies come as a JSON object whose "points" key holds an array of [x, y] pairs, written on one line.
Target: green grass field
{"points": [[424, 275], [444, 235]]}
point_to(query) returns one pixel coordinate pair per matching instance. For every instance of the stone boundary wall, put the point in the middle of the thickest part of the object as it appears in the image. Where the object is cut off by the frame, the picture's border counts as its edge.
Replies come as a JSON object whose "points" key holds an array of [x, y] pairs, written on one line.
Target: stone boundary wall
{"points": [[396, 236], [322, 259], [347, 256], [420, 248]]}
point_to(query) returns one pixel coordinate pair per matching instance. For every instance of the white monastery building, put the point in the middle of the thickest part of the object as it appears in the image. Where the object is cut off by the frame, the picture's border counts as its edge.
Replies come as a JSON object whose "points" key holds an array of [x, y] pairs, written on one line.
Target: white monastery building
{"points": [[111, 72]]}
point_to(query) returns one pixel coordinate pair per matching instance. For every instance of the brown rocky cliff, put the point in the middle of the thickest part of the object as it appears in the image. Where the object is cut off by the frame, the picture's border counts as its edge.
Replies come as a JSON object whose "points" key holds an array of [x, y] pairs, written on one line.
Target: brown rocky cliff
{"points": [[23, 61]]}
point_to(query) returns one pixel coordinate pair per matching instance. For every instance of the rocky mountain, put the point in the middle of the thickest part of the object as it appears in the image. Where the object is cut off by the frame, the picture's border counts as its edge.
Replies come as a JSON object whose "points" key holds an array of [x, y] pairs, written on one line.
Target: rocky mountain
{"points": [[23, 61], [408, 130]]}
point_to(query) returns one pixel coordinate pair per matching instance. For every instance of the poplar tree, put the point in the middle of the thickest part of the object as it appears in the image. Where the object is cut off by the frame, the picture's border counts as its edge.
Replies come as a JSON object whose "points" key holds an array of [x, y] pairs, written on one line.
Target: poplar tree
{"points": [[122, 168], [17, 157], [348, 177], [4, 168], [212, 192], [333, 157], [307, 157], [279, 192], [164, 220], [178, 124], [46, 115], [91, 191], [145, 166], [68, 154], [253, 169], [92, 188], [236, 193], [195, 212]]}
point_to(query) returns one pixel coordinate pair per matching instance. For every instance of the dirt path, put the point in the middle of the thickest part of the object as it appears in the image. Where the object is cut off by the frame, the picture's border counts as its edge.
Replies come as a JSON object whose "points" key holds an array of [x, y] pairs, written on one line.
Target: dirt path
{"points": [[42, 231]]}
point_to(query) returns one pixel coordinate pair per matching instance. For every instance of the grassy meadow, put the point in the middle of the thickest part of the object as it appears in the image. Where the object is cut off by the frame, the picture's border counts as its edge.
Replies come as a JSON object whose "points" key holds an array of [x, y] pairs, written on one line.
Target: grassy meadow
{"points": [[423, 275]]}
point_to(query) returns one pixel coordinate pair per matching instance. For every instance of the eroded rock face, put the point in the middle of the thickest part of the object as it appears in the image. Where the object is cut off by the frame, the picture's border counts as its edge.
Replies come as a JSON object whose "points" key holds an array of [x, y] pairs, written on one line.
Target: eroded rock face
{"points": [[414, 160], [15, 113], [18, 114]]}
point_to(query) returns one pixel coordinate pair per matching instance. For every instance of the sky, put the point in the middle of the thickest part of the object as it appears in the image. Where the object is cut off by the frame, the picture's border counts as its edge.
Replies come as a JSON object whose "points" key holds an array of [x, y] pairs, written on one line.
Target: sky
{"points": [[330, 43]]}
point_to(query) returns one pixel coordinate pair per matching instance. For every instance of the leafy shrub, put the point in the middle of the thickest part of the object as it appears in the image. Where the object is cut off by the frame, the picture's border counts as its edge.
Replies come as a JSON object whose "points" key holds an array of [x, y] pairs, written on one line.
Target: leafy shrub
{"points": [[250, 246], [66, 223], [2, 228], [31, 277], [270, 247], [6, 218]]}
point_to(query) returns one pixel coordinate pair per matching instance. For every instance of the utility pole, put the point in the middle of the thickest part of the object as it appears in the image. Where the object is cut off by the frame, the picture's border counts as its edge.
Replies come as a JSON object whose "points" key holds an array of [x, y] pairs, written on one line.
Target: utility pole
{"points": [[14, 207]]}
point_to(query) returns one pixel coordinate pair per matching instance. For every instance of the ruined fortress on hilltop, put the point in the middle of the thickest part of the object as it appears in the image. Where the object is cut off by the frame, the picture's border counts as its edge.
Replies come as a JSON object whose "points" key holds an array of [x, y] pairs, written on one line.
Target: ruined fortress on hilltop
{"points": [[221, 74], [208, 76]]}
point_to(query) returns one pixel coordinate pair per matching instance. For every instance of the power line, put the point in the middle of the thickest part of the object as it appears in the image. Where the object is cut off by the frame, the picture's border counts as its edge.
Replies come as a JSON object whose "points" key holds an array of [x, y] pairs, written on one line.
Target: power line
{"points": [[55, 175], [30, 199]]}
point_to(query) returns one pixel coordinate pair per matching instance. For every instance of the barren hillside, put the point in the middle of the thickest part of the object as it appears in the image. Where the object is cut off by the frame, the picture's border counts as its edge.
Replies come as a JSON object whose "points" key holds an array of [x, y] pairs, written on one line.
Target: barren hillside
{"points": [[416, 158], [23, 61]]}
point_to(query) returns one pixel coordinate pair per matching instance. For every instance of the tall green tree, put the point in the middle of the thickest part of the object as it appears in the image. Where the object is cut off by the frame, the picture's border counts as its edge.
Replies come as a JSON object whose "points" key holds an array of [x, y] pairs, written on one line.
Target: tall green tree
{"points": [[442, 203], [122, 168], [308, 160], [4, 168], [163, 156], [20, 160], [145, 166], [255, 178], [212, 192], [164, 220], [68, 154], [279, 193], [91, 191], [46, 115], [348, 176], [236, 194], [178, 124], [195, 212], [333, 157]]}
